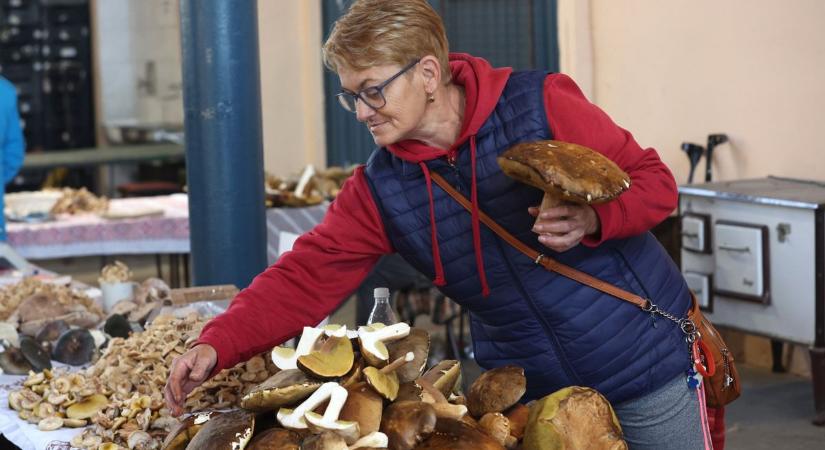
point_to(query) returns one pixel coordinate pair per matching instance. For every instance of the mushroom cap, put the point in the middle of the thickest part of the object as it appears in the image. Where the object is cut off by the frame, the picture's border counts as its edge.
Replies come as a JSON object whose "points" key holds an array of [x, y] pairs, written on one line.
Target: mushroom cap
{"points": [[418, 342], [36, 355], [231, 430], [496, 390], [517, 415], [52, 331], [276, 439], [408, 423], [324, 441], [87, 408], [364, 406], [444, 376], [570, 171], [409, 391], [13, 362], [74, 347], [385, 384], [179, 436], [40, 306], [457, 435], [282, 389], [573, 417], [334, 359]]}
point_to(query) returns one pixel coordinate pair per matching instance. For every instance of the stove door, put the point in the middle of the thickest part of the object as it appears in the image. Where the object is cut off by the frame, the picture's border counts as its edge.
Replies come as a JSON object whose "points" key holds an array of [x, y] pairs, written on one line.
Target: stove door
{"points": [[741, 254]]}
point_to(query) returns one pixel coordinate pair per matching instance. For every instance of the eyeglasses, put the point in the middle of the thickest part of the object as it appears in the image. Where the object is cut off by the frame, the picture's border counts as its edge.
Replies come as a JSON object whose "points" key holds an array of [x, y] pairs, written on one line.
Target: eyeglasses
{"points": [[372, 96]]}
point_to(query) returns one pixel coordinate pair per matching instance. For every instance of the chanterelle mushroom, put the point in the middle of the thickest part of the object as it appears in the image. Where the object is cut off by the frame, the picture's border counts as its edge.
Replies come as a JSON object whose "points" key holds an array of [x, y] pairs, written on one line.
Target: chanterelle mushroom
{"points": [[565, 172]]}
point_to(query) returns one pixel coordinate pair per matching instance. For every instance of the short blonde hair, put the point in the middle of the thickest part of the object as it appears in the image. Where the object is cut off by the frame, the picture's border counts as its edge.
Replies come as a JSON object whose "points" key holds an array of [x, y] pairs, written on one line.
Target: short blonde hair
{"points": [[385, 32]]}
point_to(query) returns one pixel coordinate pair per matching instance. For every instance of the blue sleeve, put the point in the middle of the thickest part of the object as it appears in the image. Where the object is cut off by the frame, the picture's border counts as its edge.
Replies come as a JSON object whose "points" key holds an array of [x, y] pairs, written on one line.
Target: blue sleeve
{"points": [[14, 146]]}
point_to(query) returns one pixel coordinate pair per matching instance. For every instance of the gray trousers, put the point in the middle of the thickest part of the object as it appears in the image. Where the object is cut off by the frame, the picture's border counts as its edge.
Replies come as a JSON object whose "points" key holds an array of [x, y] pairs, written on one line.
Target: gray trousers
{"points": [[674, 417]]}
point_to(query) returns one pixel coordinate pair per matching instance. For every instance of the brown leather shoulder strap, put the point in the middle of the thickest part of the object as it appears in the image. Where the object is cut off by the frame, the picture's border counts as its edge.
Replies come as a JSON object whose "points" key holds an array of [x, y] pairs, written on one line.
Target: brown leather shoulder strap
{"points": [[546, 261]]}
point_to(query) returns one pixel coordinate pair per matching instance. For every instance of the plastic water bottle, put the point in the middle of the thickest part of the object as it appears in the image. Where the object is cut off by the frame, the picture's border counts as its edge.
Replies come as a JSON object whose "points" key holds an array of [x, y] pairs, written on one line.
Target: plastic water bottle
{"points": [[382, 309]]}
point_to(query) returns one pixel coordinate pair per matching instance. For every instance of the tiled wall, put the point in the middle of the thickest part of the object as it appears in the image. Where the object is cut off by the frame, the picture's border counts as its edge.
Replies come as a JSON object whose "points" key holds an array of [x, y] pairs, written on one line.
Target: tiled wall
{"points": [[139, 59]]}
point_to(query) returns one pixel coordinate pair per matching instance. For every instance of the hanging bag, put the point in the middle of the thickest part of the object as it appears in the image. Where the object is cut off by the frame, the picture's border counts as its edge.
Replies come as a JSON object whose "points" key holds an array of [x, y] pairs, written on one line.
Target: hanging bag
{"points": [[709, 353]]}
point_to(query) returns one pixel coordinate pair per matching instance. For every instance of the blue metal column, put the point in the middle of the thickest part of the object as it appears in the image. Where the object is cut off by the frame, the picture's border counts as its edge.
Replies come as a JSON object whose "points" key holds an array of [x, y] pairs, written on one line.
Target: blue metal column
{"points": [[224, 140]]}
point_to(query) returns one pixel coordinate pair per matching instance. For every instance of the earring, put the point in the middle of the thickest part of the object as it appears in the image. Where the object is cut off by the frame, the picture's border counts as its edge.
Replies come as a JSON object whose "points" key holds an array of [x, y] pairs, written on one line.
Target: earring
{"points": [[431, 98]]}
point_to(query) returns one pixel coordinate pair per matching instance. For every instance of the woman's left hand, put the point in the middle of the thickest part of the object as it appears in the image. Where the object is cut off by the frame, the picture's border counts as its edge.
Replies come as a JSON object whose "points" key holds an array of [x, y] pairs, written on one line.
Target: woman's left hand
{"points": [[562, 227]]}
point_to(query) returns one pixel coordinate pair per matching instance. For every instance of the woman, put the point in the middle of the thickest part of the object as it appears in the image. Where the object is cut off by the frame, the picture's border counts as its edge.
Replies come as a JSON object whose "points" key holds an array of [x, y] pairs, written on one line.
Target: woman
{"points": [[429, 111]]}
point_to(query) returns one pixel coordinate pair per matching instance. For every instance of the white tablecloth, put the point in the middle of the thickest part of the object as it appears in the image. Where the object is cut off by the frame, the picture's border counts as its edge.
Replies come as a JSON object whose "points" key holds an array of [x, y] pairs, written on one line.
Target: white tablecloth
{"points": [[24, 434]]}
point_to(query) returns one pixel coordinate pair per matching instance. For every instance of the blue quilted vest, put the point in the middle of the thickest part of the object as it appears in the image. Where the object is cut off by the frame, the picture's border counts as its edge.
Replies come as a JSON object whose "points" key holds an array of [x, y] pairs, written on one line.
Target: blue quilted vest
{"points": [[562, 333]]}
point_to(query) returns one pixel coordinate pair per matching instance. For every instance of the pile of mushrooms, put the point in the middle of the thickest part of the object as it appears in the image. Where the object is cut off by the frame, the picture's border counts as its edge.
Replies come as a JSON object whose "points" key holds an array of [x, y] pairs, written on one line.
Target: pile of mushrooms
{"points": [[309, 188], [79, 201]]}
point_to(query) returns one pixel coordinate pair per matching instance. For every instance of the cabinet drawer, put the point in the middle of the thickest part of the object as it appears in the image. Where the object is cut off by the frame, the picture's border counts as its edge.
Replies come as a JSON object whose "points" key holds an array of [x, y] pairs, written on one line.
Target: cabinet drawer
{"points": [[696, 232], [741, 256]]}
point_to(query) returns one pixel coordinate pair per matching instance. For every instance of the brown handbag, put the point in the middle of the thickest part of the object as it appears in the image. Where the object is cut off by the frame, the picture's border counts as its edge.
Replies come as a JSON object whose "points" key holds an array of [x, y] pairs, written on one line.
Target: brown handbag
{"points": [[709, 353]]}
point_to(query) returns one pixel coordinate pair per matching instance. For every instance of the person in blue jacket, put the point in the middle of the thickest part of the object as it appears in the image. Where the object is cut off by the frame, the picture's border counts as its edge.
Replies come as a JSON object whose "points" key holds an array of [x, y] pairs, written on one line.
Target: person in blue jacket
{"points": [[12, 144]]}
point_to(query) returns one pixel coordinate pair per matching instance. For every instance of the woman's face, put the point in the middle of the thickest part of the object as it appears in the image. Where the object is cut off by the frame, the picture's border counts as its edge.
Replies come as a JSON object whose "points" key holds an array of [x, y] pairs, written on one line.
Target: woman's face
{"points": [[405, 98]]}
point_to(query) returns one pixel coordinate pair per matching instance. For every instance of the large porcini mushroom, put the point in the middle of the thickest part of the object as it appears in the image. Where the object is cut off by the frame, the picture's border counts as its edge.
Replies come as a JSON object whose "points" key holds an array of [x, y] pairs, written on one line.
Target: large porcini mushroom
{"points": [[276, 439], [284, 388], [373, 340], [444, 376], [496, 390], [74, 347], [571, 418], [231, 430], [407, 423], [385, 380], [180, 435], [565, 172], [334, 359], [364, 406], [287, 358], [417, 342], [457, 435]]}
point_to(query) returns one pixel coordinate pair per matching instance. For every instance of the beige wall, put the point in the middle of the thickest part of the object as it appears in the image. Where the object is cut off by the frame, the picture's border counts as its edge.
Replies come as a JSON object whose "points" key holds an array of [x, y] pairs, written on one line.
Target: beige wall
{"points": [[671, 71], [291, 85]]}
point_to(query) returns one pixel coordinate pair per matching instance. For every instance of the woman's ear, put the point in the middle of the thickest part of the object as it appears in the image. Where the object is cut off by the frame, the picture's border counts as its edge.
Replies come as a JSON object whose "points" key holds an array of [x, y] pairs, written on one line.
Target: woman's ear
{"points": [[431, 72]]}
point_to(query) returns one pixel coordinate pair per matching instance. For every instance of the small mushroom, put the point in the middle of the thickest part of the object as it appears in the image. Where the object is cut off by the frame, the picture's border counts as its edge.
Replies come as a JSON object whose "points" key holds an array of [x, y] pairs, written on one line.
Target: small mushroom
{"points": [[444, 376], [407, 423], [329, 421], [457, 435], [276, 439], [418, 342], [284, 388], [88, 407], [373, 341], [36, 355], [231, 430], [573, 417], [75, 347], [565, 172], [334, 359], [443, 408], [287, 358], [385, 380], [496, 390]]}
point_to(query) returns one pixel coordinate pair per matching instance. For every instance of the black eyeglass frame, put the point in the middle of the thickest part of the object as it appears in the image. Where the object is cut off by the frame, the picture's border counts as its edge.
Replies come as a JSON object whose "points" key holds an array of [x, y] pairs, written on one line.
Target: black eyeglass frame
{"points": [[345, 96]]}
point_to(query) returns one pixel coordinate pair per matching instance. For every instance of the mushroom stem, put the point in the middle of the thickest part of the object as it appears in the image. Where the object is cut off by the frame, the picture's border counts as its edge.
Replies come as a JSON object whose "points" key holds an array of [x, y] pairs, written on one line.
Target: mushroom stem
{"points": [[395, 365], [549, 201], [443, 408]]}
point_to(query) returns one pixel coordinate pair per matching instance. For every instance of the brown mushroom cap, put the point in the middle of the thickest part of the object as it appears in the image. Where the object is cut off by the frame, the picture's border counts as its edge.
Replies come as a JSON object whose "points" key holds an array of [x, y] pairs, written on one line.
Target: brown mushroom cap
{"points": [[276, 439], [324, 441], [444, 376], [231, 430], [364, 406], [407, 423], [40, 306], [457, 435], [573, 417], [282, 389], [517, 415], [75, 347], [179, 436], [334, 359], [409, 391], [569, 171], [496, 390], [418, 342]]}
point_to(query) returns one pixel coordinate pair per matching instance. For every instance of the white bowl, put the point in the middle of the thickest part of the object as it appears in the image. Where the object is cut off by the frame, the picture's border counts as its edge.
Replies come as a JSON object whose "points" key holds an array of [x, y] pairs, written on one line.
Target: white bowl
{"points": [[22, 204]]}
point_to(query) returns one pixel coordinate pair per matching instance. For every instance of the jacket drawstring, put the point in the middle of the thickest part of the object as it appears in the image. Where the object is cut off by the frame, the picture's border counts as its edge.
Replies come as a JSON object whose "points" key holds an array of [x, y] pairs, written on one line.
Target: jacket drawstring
{"points": [[485, 288], [439, 268]]}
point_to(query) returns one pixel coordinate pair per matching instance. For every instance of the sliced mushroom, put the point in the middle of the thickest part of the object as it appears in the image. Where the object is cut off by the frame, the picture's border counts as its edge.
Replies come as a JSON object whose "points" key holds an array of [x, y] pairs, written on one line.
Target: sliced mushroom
{"points": [[282, 389], [384, 380], [573, 417], [407, 423], [445, 376], [418, 342], [276, 439], [496, 390], [287, 358], [293, 419], [231, 430], [75, 347], [565, 172], [457, 435], [330, 421], [373, 340], [334, 359]]}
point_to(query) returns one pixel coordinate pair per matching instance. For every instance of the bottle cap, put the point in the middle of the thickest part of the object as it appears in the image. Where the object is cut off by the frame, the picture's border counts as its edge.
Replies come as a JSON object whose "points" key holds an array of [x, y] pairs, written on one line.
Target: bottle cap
{"points": [[381, 292]]}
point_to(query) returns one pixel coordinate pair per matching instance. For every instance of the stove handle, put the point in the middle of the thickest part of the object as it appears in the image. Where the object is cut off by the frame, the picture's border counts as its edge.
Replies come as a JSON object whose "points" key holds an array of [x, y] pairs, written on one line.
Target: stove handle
{"points": [[735, 249]]}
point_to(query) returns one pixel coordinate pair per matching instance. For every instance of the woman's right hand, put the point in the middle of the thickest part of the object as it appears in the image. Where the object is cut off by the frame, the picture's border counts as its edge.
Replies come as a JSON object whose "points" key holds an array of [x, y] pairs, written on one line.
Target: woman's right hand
{"points": [[189, 370]]}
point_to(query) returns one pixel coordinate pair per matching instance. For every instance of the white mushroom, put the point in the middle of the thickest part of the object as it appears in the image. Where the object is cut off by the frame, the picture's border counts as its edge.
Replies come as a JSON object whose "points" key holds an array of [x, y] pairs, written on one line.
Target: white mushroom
{"points": [[376, 439], [339, 331], [373, 341], [294, 418], [287, 358], [50, 423], [349, 430]]}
